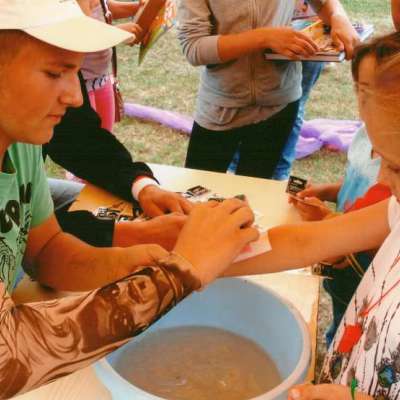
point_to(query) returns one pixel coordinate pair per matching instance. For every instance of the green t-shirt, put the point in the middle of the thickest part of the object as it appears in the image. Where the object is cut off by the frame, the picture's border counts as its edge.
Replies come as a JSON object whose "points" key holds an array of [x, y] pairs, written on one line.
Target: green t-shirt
{"points": [[25, 202]]}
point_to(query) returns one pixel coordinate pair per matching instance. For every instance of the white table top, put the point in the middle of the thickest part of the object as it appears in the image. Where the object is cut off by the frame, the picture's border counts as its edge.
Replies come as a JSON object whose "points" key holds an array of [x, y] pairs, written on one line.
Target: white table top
{"points": [[265, 196]]}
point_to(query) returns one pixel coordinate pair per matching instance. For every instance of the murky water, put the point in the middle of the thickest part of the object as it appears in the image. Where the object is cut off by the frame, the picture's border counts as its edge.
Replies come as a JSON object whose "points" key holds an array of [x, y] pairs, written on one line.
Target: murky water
{"points": [[199, 363]]}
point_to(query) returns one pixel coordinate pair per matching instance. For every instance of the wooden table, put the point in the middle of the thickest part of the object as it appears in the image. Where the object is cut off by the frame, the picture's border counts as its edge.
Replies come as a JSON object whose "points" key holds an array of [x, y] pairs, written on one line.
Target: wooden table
{"points": [[265, 196]]}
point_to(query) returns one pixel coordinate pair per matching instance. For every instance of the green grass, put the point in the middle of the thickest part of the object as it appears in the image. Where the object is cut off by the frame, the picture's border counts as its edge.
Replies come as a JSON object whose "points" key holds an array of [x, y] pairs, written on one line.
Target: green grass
{"points": [[167, 81]]}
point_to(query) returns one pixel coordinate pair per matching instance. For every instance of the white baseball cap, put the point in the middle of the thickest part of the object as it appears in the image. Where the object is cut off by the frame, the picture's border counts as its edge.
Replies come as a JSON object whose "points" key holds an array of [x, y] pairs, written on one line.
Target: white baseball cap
{"points": [[60, 23]]}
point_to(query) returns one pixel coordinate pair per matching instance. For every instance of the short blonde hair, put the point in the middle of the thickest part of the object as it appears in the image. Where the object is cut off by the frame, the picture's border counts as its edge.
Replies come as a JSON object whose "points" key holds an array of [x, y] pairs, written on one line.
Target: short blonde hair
{"points": [[385, 89]]}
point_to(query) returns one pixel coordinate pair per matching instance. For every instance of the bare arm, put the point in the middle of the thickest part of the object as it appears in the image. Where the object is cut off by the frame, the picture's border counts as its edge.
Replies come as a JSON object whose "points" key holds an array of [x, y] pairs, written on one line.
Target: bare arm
{"points": [[283, 40], [63, 262], [42, 341], [120, 9], [396, 13], [343, 34], [295, 246], [202, 46]]}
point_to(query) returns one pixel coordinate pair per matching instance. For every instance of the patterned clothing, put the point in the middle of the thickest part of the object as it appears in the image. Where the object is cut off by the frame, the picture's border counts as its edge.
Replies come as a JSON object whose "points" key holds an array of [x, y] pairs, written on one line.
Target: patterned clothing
{"points": [[42, 341], [374, 361], [25, 202], [96, 66]]}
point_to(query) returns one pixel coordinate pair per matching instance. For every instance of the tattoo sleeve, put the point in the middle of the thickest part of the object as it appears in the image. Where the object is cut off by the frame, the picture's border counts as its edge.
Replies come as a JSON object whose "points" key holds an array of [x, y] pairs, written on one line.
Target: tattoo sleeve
{"points": [[42, 341]]}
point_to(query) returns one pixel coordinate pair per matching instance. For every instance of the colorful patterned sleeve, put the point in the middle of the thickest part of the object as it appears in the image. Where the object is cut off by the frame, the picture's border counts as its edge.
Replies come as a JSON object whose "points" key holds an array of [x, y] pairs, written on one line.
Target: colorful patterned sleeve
{"points": [[42, 341]]}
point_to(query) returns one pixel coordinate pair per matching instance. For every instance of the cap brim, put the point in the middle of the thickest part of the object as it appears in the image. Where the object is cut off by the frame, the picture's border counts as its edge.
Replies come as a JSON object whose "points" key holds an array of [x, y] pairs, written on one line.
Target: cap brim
{"points": [[82, 34]]}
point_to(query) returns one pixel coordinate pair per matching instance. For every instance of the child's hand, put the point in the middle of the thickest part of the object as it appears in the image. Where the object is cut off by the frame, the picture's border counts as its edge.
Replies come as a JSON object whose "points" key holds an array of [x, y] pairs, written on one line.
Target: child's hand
{"points": [[135, 29], [310, 208], [289, 42], [324, 392]]}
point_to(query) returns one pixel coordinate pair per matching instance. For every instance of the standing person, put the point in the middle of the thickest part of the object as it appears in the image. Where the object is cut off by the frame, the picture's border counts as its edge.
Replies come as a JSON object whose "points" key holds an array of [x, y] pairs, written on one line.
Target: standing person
{"points": [[246, 103], [310, 73], [42, 45], [363, 360], [96, 67]]}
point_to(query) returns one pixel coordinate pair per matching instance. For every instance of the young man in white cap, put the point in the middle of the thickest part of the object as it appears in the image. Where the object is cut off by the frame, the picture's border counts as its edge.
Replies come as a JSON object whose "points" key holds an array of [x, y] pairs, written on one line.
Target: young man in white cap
{"points": [[41, 43]]}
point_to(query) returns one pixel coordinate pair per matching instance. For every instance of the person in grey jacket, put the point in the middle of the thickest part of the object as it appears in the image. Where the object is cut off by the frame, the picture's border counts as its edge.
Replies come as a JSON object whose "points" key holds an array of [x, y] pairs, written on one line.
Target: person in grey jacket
{"points": [[246, 103]]}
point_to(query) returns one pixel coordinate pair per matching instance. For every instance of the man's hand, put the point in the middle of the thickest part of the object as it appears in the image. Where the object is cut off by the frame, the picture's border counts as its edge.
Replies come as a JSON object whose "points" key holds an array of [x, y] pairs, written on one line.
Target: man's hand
{"points": [[162, 230], [344, 36], [156, 201], [324, 392], [214, 235]]}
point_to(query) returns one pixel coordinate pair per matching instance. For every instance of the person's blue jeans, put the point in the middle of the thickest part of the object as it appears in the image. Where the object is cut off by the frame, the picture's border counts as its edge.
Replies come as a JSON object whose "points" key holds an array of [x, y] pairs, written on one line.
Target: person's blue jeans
{"points": [[311, 73]]}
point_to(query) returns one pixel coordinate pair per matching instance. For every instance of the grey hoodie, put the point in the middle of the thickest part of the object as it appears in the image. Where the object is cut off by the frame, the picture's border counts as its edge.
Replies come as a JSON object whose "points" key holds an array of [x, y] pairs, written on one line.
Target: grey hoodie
{"points": [[249, 83]]}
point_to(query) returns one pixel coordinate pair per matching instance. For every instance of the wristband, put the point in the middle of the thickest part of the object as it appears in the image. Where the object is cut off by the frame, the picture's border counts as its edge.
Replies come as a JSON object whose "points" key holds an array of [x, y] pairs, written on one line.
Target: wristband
{"points": [[140, 184], [353, 387]]}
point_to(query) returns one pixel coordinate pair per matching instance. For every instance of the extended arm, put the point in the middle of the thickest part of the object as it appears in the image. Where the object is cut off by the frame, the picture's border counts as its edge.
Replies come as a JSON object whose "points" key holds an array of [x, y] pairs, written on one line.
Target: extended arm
{"points": [[63, 262], [343, 34], [396, 14], [42, 341], [202, 46], [295, 246]]}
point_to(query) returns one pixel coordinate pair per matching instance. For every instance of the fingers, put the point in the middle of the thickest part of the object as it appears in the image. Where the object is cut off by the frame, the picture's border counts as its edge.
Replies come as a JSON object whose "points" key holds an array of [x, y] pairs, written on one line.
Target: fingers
{"points": [[248, 235], [231, 205], [173, 205], [337, 42], [308, 47], [308, 40], [243, 217], [152, 210], [308, 192], [318, 392], [186, 205]]}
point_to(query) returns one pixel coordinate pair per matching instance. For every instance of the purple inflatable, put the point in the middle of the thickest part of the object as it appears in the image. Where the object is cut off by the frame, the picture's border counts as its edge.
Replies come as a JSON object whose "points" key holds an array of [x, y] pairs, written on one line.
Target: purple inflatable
{"points": [[334, 134], [315, 134]]}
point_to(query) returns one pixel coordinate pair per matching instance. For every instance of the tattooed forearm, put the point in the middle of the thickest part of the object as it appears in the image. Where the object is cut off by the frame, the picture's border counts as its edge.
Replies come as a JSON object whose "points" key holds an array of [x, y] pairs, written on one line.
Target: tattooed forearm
{"points": [[42, 341]]}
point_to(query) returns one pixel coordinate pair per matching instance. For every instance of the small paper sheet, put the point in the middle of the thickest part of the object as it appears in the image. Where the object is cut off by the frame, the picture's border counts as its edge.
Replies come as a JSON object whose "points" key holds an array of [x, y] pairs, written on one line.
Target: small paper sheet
{"points": [[262, 245]]}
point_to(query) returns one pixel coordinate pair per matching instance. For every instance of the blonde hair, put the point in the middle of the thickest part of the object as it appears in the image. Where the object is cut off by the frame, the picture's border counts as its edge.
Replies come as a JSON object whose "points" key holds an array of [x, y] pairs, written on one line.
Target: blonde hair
{"points": [[384, 91]]}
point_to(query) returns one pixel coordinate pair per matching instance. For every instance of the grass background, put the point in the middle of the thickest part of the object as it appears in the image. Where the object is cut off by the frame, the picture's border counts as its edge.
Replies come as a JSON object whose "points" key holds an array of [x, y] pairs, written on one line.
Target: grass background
{"points": [[167, 81]]}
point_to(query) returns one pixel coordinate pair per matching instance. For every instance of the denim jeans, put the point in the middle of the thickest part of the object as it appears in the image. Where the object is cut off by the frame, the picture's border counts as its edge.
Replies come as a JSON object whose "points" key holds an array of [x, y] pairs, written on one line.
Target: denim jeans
{"points": [[311, 73], [82, 224], [63, 192]]}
